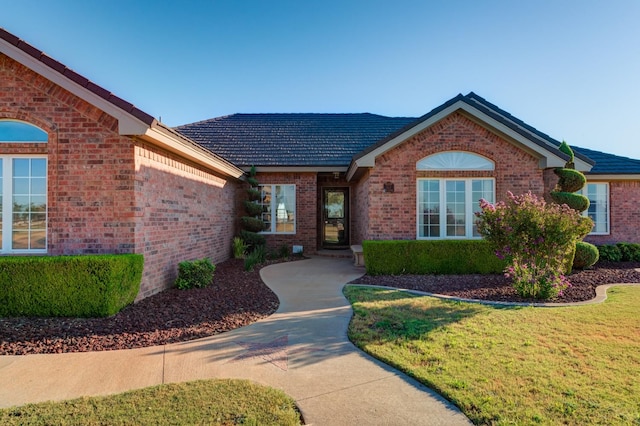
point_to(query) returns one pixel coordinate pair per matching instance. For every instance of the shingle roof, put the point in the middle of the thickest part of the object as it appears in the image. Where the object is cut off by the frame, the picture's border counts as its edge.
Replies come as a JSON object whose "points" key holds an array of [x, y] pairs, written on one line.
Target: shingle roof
{"points": [[75, 77], [337, 139], [609, 163], [292, 139]]}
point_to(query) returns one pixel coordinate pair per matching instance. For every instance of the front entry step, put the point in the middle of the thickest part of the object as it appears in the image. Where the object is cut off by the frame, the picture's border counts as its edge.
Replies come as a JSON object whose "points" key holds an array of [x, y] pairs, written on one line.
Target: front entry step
{"points": [[343, 253]]}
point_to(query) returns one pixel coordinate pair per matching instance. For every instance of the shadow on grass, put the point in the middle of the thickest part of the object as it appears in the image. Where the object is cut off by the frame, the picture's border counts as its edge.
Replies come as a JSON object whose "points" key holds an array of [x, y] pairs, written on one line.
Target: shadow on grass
{"points": [[395, 314]]}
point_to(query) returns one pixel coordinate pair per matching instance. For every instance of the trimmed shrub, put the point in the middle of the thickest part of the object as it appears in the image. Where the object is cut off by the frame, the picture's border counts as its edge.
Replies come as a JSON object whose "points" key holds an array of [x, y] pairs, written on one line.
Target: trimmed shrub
{"points": [[570, 180], [254, 194], [630, 252], [253, 209], [68, 286], [586, 255], [610, 252], [251, 239], [195, 274], [577, 202], [252, 224], [444, 257]]}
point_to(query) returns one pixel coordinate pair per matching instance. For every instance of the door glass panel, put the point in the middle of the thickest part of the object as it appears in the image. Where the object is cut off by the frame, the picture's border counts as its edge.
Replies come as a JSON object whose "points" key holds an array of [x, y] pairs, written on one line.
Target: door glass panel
{"points": [[335, 217]]}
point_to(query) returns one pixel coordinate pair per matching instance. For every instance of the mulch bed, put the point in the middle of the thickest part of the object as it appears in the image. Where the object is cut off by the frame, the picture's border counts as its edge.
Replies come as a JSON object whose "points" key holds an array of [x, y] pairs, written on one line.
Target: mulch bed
{"points": [[238, 298], [235, 299], [498, 288]]}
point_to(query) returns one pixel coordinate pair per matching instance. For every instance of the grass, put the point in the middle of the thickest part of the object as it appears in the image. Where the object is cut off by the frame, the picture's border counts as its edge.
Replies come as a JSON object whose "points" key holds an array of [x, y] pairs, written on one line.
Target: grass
{"points": [[574, 365], [210, 402]]}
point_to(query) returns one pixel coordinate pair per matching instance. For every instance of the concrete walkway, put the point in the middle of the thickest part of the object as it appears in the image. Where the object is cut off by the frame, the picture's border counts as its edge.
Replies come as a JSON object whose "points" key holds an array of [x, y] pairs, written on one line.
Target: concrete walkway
{"points": [[302, 349]]}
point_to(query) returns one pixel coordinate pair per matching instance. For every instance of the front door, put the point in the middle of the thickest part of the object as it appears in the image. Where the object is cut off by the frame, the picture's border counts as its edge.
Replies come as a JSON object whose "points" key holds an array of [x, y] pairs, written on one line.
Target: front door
{"points": [[335, 217]]}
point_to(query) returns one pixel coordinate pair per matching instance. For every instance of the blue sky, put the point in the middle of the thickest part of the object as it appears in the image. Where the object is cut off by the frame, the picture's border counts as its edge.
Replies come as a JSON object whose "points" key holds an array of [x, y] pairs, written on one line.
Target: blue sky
{"points": [[570, 68]]}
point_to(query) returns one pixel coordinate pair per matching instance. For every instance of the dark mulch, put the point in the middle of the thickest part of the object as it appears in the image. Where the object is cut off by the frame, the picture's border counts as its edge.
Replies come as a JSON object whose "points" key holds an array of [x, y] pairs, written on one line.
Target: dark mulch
{"points": [[498, 288], [238, 298], [235, 299]]}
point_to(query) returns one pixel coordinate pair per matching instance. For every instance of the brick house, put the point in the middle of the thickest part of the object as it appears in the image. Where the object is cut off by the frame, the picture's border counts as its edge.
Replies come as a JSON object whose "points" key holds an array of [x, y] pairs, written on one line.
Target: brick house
{"points": [[84, 171], [345, 178]]}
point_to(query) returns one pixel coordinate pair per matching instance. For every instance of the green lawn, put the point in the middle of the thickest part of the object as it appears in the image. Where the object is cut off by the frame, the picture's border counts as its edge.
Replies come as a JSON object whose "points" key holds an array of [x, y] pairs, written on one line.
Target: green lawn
{"points": [[574, 365], [210, 402]]}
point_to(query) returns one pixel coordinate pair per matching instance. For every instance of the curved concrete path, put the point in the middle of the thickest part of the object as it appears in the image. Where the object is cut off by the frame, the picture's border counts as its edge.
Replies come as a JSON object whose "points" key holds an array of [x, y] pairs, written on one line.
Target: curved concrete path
{"points": [[302, 349]]}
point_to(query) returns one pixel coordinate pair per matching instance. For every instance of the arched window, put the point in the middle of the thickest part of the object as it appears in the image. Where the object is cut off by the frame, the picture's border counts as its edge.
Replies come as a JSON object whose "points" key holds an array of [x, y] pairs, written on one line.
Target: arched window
{"points": [[19, 131], [455, 160], [23, 191], [446, 206]]}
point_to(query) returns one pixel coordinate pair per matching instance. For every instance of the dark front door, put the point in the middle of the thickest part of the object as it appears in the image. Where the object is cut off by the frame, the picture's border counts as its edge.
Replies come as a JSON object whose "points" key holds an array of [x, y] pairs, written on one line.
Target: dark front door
{"points": [[335, 218]]}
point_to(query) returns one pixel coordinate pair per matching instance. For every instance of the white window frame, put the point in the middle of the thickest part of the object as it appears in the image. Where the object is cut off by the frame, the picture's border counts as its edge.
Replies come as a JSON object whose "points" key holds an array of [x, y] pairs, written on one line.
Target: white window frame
{"points": [[455, 160], [274, 209], [7, 204], [42, 134], [585, 191], [469, 207]]}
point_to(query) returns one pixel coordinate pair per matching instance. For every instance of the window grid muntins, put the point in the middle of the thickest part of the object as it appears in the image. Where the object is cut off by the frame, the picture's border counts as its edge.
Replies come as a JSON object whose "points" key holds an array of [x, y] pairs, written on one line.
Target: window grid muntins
{"points": [[278, 209], [29, 192], [429, 208], [446, 207], [455, 208], [598, 195], [23, 204]]}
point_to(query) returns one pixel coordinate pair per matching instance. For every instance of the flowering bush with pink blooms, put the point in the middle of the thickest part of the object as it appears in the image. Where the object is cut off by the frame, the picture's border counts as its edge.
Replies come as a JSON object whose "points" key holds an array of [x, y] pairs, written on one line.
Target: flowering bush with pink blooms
{"points": [[537, 239]]}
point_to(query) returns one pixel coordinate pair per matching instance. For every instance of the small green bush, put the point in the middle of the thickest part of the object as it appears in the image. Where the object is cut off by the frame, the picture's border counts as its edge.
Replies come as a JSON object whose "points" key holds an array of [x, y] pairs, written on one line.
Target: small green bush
{"points": [[68, 286], [257, 256], [195, 274], [630, 252], [610, 252], [252, 239], [586, 255], [431, 257], [239, 248]]}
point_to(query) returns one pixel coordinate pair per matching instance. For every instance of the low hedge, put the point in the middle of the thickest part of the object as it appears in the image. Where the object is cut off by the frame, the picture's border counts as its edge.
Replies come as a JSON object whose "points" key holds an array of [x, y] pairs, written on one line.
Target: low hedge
{"points": [[68, 286], [444, 257]]}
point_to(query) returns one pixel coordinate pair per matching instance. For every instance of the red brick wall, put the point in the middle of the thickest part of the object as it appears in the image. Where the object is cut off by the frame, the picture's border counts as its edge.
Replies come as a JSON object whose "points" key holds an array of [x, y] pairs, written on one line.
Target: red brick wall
{"points": [[624, 214], [111, 194], [306, 210], [360, 210], [183, 213], [90, 167], [393, 215]]}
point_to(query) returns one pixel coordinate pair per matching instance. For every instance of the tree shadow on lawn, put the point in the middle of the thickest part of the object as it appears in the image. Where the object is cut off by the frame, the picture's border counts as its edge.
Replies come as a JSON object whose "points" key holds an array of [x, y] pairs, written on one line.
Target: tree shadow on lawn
{"points": [[402, 317]]}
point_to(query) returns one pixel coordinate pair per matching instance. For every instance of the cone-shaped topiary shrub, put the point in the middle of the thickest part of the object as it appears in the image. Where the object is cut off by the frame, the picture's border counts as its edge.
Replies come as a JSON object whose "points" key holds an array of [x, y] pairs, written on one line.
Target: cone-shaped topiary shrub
{"points": [[252, 223], [570, 181]]}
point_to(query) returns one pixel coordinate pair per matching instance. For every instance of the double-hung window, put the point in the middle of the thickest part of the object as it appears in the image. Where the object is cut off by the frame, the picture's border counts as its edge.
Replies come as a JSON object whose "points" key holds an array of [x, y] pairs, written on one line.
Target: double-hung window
{"points": [[446, 207], [598, 195], [23, 192], [279, 209]]}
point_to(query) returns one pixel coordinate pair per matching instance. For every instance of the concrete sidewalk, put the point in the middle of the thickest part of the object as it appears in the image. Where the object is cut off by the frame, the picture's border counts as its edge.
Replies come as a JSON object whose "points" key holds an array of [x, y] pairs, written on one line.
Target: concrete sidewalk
{"points": [[302, 349]]}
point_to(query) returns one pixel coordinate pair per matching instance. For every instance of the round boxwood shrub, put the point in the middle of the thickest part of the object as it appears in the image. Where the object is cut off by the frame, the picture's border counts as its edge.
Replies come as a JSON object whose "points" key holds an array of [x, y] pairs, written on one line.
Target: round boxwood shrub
{"points": [[586, 255]]}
